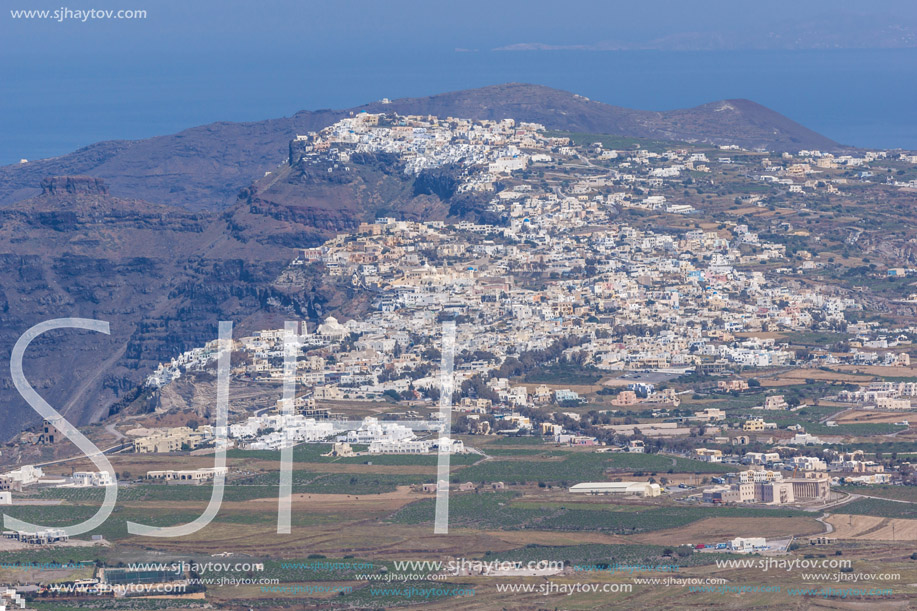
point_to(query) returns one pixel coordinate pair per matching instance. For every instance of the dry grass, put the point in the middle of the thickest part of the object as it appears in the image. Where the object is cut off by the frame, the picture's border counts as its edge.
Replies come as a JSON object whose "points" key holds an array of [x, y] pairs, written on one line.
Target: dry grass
{"points": [[873, 528], [722, 529], [874, 370], [796, 376], [866, 416]]}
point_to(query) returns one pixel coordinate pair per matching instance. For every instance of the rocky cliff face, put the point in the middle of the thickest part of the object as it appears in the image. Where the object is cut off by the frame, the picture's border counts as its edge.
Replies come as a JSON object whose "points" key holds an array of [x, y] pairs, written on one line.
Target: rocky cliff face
{"points": [[73, 185], [333, 197], [161, 276]]}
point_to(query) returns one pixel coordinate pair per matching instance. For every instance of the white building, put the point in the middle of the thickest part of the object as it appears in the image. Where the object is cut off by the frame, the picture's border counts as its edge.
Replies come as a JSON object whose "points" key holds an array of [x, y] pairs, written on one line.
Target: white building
{"points": [[286, 431], [93, 478], [748, 544], [23, 476], [416, 446], [400, 446], [450, 446], [644, 489], [331, 330], [191, 476], [760, 458], [372, 430], [810, 463], [804, 439]]}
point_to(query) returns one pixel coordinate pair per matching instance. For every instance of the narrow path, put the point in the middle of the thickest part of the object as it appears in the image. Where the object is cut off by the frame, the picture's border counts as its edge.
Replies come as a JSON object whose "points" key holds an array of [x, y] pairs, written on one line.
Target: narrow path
{"points": [[115, 448], [111, 429]]}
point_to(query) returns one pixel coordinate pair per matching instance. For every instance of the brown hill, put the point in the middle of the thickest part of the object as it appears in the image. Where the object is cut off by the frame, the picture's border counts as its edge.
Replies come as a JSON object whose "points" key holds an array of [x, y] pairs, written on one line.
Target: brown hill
{"points": [[740, 122], [203, 168]]}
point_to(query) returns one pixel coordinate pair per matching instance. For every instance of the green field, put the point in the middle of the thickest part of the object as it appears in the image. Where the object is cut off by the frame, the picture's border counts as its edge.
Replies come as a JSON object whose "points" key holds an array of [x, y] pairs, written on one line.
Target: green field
{"points": [[332, 483], [112, 529], [855, 429], [304, 452], [902, 493], [881, 508], [234, 491], [583, 558], [516, 441], [575, 467], [612, 142], [815, 338], [429, 460], [655, 518], [663, 464], [564, 373], [502, 511]]}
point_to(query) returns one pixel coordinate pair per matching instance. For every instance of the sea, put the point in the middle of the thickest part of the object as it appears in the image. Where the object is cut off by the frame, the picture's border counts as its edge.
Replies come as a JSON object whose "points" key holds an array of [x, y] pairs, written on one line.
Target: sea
{"points": [[865, 98]]}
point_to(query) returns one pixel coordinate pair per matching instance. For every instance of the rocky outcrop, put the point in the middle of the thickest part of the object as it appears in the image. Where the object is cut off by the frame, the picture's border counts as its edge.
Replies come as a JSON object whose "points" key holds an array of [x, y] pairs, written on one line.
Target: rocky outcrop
{"points": [[73, 185]]}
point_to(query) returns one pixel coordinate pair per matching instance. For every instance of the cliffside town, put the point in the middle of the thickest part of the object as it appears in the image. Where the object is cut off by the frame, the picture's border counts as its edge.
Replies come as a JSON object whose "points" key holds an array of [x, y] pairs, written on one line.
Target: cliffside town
{"points": [[560, 286]]}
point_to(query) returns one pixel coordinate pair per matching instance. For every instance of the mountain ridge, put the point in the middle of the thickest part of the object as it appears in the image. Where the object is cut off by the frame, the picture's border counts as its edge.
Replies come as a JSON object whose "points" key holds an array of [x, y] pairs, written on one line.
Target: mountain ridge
{"points": [[205, 167]]}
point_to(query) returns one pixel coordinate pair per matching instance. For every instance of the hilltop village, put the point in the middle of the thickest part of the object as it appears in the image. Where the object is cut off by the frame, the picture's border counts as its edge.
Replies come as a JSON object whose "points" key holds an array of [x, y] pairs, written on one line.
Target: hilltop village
{"points": [[699, 350], [578, 319], [561, 285]]}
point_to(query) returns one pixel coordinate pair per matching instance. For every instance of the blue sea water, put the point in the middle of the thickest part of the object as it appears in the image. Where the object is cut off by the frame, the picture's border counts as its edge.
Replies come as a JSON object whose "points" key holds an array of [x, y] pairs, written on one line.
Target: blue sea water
{"points": [[858, 97]]}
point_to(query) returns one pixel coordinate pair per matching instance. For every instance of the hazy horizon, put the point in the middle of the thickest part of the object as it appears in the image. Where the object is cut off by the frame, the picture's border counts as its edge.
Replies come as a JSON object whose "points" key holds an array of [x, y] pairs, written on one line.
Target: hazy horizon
{"points": [[70, 84]]}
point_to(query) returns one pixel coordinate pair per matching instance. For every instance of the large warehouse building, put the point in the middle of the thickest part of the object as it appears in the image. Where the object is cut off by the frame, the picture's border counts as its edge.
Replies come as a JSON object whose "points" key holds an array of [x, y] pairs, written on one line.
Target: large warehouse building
{"points": [[629, 488]]}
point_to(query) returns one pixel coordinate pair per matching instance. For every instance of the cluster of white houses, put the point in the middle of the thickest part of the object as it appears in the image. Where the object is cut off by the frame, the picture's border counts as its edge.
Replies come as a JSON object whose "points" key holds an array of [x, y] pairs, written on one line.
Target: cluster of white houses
{"points": [[21, 477], [275, 431], [694, 289], [395, 438], [637, 300], [40, 537]]}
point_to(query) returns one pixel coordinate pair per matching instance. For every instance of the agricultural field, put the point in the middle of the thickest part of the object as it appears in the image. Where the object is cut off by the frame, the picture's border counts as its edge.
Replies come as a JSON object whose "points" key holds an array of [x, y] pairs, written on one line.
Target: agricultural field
{"points": [[506, 511], [507, 440], [859, 527], [616, 142], [901, 493], [881, 508], [566, 467]]}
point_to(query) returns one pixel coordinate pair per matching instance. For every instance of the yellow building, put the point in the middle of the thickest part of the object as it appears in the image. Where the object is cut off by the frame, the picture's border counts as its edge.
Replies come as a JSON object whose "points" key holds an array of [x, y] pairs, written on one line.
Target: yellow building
{"points": [[171, 440], [625, 397], [755, 424]]}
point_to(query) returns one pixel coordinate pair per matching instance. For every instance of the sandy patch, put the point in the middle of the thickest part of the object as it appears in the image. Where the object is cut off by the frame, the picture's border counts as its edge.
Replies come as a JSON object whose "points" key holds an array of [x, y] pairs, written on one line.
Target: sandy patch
{"points": [[873, 528]]}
